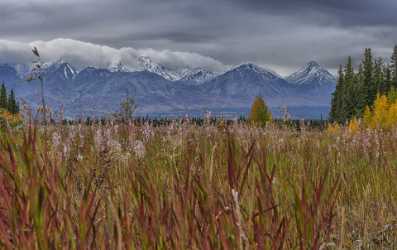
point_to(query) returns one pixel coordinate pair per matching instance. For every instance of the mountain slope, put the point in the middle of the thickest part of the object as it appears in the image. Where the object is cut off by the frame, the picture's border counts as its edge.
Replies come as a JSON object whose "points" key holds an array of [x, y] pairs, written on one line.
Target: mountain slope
{"points": [[311, 73], [314, 82], [8, 75], [96, 92], [102, 96], [247, 80], [198, 76]]}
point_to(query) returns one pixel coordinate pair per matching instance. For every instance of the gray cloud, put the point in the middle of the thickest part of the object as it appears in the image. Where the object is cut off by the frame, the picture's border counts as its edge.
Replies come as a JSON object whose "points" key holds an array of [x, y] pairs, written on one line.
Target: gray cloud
{"points": [[280, 34], [82, 54]]}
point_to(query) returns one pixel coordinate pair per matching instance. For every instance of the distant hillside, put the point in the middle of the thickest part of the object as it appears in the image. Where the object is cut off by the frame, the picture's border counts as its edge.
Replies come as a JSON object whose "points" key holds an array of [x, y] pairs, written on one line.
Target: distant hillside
{"points": [[97, 92]]}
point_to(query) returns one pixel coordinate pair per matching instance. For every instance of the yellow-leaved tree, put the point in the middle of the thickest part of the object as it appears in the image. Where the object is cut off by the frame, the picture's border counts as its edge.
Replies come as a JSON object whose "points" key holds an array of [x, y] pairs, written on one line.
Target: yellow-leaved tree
{"points": [[391, 120], [383, 114], [260, 113]]}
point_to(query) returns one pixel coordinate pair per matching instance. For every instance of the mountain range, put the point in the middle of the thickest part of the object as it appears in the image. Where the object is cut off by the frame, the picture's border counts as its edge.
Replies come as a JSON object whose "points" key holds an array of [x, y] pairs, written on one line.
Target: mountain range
{"points": [[97, 92]]}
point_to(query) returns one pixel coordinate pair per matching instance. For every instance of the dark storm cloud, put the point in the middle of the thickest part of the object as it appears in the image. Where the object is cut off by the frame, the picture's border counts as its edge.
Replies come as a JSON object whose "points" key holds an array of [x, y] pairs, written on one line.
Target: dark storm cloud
{"points": [[281, 34], [350, 12]]}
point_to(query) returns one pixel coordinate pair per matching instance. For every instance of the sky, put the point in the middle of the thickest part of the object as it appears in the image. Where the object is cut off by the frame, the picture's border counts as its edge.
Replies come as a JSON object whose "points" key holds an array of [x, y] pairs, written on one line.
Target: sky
{"points": [[216, 34]]}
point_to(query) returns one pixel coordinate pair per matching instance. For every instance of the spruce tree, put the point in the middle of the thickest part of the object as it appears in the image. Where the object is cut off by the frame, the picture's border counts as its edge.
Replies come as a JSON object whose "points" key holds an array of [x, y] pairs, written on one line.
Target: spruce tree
{"points": [[394, 67], [17, 108], [361, 92], [378, 75], [3, 97], [12, 103], [369, 86], [356, 92], [387, 81], [349, 98], [337, 100]]}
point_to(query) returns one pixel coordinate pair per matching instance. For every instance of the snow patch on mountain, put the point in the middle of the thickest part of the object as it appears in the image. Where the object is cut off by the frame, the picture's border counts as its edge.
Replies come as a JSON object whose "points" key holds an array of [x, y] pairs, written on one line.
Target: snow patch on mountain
{"points": [[98, 91], [253, 68], [158, 69], [119, 67], [198, 76], [144, 63], [311, 73]]}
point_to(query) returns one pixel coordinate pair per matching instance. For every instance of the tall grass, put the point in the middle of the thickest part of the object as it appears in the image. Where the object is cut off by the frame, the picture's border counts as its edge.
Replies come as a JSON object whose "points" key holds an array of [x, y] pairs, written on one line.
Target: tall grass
{"points": [[182, 186]]}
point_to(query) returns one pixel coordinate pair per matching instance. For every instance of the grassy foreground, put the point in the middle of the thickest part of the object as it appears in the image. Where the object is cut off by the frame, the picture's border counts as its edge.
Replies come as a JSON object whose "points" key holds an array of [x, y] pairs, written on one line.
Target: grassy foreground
{"points": [[181, 186]]}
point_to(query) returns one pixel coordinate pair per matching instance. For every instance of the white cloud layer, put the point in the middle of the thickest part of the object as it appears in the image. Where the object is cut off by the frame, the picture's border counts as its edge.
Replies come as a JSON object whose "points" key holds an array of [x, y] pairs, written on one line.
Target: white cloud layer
{"points": [[81, 54]]}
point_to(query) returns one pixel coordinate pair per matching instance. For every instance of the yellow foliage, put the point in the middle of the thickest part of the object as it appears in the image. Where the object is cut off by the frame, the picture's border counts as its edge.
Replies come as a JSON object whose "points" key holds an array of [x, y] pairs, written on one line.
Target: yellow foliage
{"points": [[333, 128], [383, 115], [354, 126], [11, 119], [260, 114], [379, 114], [391, 119], [367, 116]]}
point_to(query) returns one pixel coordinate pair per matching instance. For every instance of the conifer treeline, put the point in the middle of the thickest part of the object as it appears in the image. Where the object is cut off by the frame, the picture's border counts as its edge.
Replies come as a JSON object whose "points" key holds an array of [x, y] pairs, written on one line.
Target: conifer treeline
{"points": [[356, 90], [8, 102]]}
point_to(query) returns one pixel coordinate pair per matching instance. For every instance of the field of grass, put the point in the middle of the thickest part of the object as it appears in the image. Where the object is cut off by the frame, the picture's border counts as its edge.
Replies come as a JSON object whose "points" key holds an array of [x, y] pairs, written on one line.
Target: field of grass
{"points": [[182, 186]]}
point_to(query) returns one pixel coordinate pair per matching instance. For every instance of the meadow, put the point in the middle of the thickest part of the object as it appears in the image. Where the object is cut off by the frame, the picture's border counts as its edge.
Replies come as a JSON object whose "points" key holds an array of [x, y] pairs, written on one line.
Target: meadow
{"points": [[184, 186]]}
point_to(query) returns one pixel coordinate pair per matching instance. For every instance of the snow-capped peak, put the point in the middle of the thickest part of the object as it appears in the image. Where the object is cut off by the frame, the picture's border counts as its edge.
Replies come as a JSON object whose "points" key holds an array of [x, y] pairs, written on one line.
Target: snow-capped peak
{"points": [[149, 65], [198, 75], [257, 69], [312, 72], [313, 64], [145, 63]]}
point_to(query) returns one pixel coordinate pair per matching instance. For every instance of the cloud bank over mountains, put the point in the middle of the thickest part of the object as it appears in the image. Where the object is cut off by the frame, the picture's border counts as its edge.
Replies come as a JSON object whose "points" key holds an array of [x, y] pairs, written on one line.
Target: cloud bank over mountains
{"points": [[82, 54], [277, 34]]}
